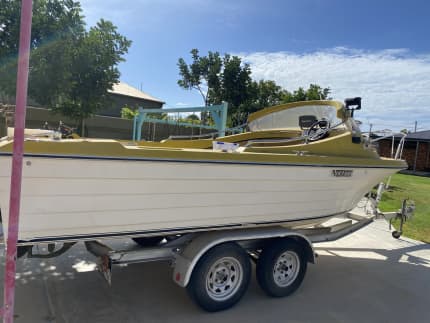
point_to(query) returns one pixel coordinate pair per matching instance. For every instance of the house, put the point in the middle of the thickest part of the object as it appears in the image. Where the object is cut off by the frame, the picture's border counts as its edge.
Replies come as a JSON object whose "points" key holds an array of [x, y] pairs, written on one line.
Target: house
{"points": [[102, 125], [416, 150], [123, 94]]}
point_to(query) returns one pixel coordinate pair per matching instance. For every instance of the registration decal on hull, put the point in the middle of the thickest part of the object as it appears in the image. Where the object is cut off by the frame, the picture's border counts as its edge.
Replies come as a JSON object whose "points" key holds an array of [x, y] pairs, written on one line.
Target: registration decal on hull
{"points": [[341, 172]]}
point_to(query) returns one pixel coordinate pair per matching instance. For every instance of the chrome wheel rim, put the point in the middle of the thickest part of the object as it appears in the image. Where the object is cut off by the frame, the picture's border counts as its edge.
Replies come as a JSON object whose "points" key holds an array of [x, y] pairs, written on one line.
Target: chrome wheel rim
{"points": [[286, 268], [224, 278]]}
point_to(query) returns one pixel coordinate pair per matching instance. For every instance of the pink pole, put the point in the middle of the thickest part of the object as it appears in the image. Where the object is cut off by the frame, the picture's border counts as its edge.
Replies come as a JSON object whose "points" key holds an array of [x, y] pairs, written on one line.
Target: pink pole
{"points": [[18, 145]]}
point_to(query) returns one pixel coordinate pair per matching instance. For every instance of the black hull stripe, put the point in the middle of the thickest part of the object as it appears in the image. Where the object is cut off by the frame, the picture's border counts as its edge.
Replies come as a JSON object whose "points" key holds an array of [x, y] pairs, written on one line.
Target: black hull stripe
{"points": [[200, 161], [166, 231]]}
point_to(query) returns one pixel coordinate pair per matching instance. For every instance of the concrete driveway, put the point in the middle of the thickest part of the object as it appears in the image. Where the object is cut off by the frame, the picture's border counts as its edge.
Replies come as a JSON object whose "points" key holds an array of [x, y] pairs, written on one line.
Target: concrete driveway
{"points": [[365, 277]]}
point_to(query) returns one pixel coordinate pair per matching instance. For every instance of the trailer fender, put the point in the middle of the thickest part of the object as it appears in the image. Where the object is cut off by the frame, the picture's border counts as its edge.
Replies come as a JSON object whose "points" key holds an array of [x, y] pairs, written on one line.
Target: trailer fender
{"points": [[186, 260]]}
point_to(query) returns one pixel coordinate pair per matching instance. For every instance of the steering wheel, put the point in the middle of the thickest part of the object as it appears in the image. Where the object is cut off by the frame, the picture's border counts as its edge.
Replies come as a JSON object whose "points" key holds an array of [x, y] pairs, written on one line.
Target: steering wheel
{"points": [[318, 130]]}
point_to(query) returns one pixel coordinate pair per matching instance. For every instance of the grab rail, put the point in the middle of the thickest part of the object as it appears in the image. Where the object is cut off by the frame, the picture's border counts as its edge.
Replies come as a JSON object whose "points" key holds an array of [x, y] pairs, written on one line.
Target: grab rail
{"points": [[399, 150]]}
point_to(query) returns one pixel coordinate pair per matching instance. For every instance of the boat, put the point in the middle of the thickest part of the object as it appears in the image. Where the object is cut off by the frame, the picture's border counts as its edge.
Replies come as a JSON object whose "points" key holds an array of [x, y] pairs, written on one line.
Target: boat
{"points": [[297, 164]]}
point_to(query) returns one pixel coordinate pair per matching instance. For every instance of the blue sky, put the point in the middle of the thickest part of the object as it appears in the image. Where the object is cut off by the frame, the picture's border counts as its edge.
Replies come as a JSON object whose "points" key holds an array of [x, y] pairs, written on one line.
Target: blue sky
{"points": [[379, 50]]}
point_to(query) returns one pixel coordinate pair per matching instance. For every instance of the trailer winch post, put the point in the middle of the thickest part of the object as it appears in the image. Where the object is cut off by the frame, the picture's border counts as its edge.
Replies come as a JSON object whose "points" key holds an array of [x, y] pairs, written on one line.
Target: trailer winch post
{"points": [[18, 145]]}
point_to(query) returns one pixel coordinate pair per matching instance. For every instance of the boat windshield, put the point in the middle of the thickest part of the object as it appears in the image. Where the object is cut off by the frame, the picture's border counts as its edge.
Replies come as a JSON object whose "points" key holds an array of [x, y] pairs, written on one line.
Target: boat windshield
{"points": [[289, 118]]}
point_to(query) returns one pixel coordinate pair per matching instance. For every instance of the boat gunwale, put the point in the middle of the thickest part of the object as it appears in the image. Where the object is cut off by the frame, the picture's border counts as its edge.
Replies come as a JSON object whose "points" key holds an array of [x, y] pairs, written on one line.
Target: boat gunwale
{"points": [[397, 164]]}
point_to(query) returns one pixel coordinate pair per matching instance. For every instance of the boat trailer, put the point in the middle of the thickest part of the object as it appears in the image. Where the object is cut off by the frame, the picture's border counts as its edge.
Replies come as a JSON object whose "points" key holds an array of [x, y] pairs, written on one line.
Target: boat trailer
{"points": [[214, 266]]}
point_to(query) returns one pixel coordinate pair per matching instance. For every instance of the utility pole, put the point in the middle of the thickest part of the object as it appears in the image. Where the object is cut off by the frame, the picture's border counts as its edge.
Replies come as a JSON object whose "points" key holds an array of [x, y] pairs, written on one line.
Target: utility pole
{"points": [[415, 129]]}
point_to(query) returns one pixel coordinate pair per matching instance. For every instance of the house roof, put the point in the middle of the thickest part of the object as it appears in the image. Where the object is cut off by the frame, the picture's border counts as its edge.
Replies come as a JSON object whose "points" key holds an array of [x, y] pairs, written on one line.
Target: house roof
{"points": [[419, 136], [413, 136], [124, 89]]}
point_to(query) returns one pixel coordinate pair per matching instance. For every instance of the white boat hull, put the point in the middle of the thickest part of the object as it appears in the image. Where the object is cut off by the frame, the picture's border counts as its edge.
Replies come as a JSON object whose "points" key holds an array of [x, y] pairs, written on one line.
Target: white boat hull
{"points": [[70, 199]]}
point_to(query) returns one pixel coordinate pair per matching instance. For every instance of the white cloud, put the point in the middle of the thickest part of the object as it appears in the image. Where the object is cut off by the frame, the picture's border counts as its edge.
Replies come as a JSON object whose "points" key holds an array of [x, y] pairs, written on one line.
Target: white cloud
{"points": [[394, 84]]}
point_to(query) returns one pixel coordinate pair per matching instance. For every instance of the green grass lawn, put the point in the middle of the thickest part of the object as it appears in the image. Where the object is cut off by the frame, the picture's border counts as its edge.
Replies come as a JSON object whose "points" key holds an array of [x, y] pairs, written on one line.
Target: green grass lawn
{"points": [[417, 189]]}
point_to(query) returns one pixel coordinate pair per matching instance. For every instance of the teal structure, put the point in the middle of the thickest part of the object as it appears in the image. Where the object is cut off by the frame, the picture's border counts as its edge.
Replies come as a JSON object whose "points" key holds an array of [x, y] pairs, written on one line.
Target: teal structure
{"points": [[218, 114]]}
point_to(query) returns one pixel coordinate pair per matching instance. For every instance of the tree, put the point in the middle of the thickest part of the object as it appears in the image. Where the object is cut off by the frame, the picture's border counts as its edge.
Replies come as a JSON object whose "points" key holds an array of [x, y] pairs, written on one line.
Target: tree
{"points": [[265, 94], [314, 92], [56, 26], [93, 70], [202, 74], [71, 70], [216, 79], [128, 113], [193, 118], [229, 79], [236, 82], [261, 94]]}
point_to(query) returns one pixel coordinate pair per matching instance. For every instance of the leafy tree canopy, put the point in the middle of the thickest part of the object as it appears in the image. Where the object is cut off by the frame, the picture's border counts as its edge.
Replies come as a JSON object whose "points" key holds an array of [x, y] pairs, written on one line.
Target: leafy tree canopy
{"points": [[193, 117], [203, 75], [55, 27], [94, 70], [71, 69], [229, 79], [52, 20], [314, 92], [128, 112], [217, 79]]}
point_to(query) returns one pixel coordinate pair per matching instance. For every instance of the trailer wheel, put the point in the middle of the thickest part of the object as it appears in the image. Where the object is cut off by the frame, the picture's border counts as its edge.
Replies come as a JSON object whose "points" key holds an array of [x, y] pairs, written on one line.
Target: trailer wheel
{"points": [[281, 268], [148, 241], [220, 277], [396, 234]]}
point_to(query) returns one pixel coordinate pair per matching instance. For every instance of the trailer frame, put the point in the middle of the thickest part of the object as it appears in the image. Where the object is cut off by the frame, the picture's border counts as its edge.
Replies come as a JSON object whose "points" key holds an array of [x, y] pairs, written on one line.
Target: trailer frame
{"points": [[194, 255]]}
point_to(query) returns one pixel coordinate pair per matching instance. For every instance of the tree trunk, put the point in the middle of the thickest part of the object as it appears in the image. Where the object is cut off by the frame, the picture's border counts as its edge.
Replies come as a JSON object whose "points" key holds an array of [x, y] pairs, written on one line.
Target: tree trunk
{"points": [[83, 128]]}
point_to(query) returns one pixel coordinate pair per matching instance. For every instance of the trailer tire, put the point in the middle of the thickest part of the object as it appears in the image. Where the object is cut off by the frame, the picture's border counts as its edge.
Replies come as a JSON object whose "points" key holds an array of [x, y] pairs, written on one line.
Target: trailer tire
{"points": [[281, 267], [396, 234], [220, 278]]}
